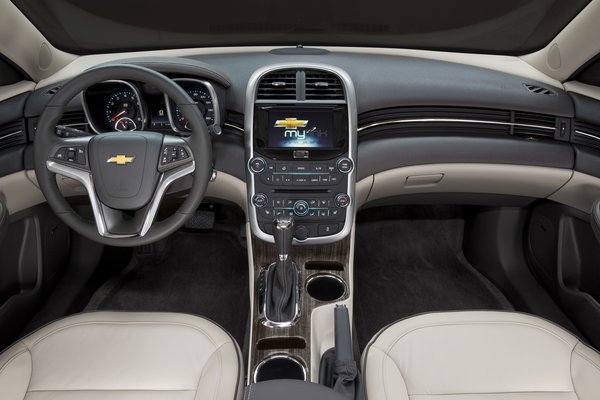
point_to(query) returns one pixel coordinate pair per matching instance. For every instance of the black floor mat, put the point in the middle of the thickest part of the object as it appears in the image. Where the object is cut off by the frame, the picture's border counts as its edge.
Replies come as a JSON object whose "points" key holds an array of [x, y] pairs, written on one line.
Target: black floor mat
{"points": [[197, 273], [408, 260]]}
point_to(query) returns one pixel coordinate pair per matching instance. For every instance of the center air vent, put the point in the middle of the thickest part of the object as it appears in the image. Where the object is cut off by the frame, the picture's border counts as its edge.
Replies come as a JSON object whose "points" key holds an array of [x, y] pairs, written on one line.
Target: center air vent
{"points": [[279, 85], [539, 90], [323, 86]]}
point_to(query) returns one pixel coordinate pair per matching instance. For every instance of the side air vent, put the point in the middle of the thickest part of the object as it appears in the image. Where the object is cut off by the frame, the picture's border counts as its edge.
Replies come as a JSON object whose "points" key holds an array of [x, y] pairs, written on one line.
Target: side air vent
{"points": [[234, 121], [74, 119], [539, 90], [279, 85], [586, 134], [323, 86], [12, 134], [534, 125]]}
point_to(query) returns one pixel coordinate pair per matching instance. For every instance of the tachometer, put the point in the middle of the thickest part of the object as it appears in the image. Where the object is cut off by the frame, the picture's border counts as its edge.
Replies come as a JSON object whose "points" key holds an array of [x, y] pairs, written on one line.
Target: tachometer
{"points": [[122, 111]]}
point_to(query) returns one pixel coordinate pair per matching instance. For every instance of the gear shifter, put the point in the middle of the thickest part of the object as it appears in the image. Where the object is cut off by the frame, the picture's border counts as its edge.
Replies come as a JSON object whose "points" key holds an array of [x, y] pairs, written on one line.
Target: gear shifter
{"points": [[282, 296]]}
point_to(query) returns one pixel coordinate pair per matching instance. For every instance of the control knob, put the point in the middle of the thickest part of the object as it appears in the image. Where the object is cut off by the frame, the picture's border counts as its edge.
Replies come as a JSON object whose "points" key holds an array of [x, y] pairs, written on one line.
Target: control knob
{"points": [[301, 208], [257, 165], [342, 200], [260, 200]]}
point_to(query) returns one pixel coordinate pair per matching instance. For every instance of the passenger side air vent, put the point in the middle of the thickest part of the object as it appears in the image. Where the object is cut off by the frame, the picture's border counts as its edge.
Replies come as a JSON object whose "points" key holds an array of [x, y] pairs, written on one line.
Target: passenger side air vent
{"points": [[323, 86], [279, 85], [12, 134], [534, 125], [74, 119], [539, 89], [586, 134]]}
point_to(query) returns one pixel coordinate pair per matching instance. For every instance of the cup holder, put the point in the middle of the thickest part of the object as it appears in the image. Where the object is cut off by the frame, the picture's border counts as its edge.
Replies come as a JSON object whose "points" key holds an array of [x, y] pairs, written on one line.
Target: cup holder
{"points": [[325, 287], [279, 367]]}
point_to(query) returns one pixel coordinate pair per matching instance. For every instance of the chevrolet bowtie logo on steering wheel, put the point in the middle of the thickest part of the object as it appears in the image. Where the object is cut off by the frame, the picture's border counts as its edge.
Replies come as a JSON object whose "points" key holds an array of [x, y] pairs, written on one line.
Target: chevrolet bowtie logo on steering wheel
{"points": [[120, 159]]}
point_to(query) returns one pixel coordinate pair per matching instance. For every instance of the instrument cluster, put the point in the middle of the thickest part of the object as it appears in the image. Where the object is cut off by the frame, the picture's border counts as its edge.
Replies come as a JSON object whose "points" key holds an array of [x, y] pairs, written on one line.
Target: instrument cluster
{"points": [[122, 106]]}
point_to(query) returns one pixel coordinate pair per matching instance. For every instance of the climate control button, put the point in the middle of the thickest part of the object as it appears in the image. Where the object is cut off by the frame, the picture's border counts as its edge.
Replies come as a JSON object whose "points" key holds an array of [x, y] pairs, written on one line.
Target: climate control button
{"points": [[260, 200], [342, 200], [301, 208], [257, 165]]}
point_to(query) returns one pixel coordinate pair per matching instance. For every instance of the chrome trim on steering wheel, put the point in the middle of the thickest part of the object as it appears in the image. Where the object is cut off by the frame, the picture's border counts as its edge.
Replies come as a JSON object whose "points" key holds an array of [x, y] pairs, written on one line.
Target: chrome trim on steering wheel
{"points": [[85, 178]]}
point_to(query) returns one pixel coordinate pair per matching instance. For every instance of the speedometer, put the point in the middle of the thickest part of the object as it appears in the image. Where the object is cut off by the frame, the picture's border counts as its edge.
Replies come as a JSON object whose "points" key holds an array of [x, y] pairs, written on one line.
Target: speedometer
{"points": [[203, 95]]}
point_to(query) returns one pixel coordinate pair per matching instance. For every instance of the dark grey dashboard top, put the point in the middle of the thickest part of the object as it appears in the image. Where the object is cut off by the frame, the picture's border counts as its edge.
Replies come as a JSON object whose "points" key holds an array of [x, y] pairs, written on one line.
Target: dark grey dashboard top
{"points": [[381, 81]]}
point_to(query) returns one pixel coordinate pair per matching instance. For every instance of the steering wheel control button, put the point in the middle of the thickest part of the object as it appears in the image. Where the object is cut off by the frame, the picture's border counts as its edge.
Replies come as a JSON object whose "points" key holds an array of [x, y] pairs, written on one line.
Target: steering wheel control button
{"points": [[75, 155], [172, 154], [301, 208], [344, 165], [260, 200], [342, 200], [258, 165]]}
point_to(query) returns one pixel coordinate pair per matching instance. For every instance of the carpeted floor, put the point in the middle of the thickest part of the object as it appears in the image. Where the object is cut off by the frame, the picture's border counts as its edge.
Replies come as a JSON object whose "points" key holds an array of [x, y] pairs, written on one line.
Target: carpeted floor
{"points": [[408, 260], [197, 273]]}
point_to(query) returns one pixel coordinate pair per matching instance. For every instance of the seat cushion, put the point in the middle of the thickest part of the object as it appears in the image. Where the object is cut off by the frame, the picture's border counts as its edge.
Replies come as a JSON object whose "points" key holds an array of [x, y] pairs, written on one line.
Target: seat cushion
{"points": [[479, 355], [125, 356]]}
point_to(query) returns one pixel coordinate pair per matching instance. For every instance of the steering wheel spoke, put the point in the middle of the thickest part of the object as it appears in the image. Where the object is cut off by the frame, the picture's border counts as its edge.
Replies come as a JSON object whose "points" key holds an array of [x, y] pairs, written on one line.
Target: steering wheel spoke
{"points": [[70, 152]]}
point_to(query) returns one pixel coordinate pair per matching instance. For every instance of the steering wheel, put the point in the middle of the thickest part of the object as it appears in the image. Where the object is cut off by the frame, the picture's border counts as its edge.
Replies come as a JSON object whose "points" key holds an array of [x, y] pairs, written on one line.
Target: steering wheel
{"points": [[126, 174]]}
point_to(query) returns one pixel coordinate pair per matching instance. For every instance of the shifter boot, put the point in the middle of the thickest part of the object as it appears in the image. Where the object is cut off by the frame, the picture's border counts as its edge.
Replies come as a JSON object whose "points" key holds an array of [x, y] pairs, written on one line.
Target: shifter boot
{"points": [[282, 281]]}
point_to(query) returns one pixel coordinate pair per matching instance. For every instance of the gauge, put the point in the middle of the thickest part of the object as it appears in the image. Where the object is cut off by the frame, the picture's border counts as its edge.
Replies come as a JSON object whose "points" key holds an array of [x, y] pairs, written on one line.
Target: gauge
{"points": [[123, 105], [125, 124], [205, 105]]}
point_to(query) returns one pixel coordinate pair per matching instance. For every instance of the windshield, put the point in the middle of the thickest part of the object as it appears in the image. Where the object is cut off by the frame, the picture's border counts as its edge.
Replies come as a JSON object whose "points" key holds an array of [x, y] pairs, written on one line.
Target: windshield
{"points": [[501, 27]]}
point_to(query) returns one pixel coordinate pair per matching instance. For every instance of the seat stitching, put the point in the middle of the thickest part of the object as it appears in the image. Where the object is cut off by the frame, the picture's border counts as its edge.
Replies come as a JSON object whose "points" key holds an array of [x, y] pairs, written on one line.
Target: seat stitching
{"points": [[38, 341], [474, 323], [571, 370], [12, 359], [220, 375], [204, 366], [397, 367], [587, 358]]}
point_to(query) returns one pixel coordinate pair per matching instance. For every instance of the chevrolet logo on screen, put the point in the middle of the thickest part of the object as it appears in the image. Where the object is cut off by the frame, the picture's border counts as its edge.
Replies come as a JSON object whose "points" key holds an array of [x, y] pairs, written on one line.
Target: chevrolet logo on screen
{"points": [[120, 159], [291, 123]]}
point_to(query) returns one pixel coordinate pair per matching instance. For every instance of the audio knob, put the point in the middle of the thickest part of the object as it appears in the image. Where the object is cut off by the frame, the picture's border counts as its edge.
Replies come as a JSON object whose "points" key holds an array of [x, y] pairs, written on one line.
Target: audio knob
{"points": [[260, 200], [257, 165], [344, 165], [342, 200], [301, 208]]}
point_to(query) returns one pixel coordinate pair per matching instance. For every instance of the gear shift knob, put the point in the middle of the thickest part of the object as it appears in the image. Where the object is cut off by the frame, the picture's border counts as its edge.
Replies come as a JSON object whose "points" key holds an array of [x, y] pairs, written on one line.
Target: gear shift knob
{"points": [[283, 233]]}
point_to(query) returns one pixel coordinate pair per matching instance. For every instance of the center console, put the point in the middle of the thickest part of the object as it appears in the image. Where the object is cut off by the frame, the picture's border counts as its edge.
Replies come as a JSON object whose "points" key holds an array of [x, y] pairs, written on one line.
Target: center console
{"points": [[301, 153], [300, 124]]}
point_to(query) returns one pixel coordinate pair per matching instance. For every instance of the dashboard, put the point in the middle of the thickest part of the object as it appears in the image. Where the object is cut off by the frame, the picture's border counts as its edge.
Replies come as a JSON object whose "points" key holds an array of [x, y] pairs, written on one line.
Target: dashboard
{"points": [[119, 105]]}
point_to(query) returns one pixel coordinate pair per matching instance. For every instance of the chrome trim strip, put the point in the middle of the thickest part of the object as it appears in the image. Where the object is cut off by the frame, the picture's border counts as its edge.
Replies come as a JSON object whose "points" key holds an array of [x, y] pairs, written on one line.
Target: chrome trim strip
{"points": [[264, 319], [352, 143], [329, 276], [278, 356], [470, 121], [239, 128], [11, 134], [213, 95], [85, 178], [588, 135], [142, 109]]}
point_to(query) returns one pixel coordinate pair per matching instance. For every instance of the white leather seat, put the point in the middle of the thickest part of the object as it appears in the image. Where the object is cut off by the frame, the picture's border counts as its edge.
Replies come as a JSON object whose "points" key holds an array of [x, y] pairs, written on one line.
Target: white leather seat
{"points": [[479, 355], [125, 356]]}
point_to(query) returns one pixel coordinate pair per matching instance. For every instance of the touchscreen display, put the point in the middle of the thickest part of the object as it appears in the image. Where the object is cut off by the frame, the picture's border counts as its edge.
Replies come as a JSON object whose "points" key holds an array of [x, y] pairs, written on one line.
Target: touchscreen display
{"points": [[294, 128]]}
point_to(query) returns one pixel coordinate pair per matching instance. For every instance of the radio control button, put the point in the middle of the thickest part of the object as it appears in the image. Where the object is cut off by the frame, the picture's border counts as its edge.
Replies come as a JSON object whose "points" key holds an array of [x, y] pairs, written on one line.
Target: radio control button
{"points": [[330, 168], [301, 168], [314, 179], [344, 165], [334, 179], [260, 200], [301, 208], [342, 200], [278, 179], [318, 168], [300, 180], [257, 165], [288, 179], [267, 179], [284, 168], [325, 179]]}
